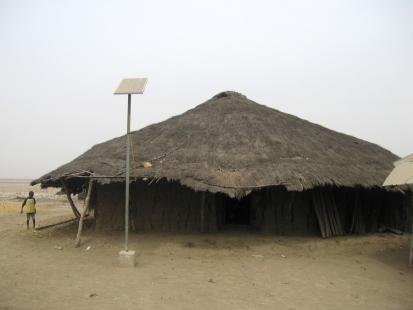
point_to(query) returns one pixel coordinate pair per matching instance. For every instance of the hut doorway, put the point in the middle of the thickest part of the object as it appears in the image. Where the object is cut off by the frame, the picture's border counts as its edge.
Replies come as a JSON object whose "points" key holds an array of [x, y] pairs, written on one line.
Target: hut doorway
{"points": [[246, 211]]}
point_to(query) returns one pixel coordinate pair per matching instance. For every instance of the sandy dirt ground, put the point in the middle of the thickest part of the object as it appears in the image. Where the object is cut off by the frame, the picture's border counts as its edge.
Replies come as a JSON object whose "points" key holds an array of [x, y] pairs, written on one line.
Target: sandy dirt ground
{"points": [[235, 269]]}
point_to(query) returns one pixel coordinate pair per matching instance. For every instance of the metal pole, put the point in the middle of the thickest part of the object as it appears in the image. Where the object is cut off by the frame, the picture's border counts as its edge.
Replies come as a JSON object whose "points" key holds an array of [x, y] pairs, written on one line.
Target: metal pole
{"points": [[127, 177]]}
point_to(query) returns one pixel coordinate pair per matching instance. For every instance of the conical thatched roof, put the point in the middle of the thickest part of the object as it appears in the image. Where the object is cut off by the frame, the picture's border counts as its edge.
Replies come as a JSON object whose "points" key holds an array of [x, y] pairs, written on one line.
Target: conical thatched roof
{"points": [[233, 145]]}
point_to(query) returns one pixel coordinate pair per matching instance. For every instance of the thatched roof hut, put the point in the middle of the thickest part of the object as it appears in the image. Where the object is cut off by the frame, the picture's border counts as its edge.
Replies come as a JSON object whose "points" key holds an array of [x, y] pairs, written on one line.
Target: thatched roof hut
{"points": [[233, 145], [231, 161]]}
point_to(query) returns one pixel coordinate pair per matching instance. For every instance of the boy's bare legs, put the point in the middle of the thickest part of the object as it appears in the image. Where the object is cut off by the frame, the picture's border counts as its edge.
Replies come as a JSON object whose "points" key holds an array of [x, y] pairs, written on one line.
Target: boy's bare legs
{"points": [[34, 224]]}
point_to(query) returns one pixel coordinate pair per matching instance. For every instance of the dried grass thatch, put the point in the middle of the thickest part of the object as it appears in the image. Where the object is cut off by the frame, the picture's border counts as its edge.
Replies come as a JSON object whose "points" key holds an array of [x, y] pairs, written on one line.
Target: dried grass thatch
{"points": [[233, 145]]}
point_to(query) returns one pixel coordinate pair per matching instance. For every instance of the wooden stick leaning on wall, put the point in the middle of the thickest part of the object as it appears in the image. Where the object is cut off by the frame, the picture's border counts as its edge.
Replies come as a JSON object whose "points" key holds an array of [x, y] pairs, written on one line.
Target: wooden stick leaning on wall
{"points": [[68, 193], [360, 219], [85, 209], [331, 229], [52, 225], [324, 213], [354, 212], [318, 213], [132, 218], [332, 211], [330, 197]]}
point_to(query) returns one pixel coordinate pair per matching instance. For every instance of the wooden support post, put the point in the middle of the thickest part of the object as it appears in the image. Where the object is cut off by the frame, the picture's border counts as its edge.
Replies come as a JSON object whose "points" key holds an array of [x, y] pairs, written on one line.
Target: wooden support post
{"points": [[325, 214], [203, 212], [289, 211], [328, 217], [355, 210], [68, 193], [213, 226], [336, 215], [132, 218], [317, 212], [85, 209], [330, 211], [411, 247], [72, 204], [411, 243]]}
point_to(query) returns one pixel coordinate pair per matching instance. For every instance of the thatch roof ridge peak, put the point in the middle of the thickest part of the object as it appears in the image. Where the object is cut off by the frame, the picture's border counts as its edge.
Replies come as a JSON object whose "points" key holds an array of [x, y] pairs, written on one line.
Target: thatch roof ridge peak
{"points": [[229, 93]]}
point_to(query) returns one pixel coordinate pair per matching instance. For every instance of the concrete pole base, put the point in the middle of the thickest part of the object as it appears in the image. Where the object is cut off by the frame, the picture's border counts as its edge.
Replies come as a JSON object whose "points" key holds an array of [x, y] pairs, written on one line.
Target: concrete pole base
{"points": [[127, 259]]}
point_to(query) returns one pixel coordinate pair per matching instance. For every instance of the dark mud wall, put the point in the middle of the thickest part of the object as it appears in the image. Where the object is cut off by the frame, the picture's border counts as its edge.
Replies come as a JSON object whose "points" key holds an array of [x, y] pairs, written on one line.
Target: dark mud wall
{"points": [[288, 212], [376, 207], [161, 205], [169, 206], [110, 207], [407, 212]]}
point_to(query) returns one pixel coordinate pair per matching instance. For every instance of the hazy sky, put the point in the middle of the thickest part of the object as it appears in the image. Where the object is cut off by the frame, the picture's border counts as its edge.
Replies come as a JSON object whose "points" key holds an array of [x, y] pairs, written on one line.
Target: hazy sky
{"points": [[346, 65]]}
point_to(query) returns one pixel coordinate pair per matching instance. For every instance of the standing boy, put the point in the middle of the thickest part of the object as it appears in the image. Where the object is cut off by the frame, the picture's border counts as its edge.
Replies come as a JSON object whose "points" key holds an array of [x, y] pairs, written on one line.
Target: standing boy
{"points": [[30, 204]]}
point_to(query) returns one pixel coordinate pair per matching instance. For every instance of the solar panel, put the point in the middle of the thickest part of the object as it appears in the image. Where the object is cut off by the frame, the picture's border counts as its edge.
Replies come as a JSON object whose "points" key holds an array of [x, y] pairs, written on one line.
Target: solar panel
{"points": [[131, 86]]}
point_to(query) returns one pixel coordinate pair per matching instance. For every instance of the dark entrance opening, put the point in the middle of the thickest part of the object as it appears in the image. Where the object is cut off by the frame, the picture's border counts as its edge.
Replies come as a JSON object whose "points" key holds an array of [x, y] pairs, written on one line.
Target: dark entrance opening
{"points": [[237, 212]]}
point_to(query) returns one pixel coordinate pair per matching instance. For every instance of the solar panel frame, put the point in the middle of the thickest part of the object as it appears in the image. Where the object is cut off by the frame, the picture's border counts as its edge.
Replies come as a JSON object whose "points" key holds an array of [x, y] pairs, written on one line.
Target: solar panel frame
{"points": [[131, 86]]}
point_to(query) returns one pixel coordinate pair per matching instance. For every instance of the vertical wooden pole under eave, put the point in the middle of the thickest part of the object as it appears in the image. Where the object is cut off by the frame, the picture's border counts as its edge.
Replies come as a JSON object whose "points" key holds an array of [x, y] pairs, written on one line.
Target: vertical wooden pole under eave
{"points": [[127, 176], [411, 243], [85, 209], [69, 198], [411, 248], [289, 212], [203, 212]]}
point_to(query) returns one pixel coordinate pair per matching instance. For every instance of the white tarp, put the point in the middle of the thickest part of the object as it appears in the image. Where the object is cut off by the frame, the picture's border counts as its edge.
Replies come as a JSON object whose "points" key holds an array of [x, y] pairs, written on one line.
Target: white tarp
{"points": [[402, 172]]}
